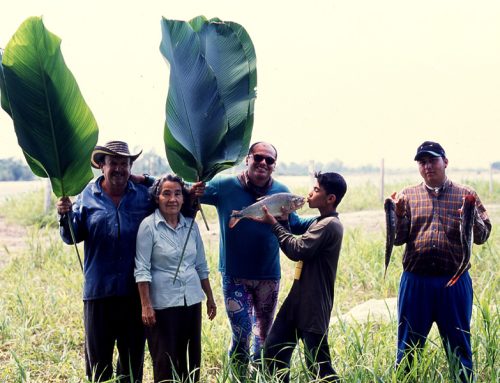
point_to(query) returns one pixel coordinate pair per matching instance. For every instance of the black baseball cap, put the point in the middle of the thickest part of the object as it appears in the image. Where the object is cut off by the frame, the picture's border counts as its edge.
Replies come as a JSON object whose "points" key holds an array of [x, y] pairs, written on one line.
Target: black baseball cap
{"points": [[429, 148]]}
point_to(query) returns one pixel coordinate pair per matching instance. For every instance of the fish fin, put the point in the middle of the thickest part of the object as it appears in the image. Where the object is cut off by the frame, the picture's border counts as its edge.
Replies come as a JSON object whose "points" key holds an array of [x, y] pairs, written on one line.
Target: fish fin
{"points": [[235, 218], [452, 281], [233, 221], [235, 213]]}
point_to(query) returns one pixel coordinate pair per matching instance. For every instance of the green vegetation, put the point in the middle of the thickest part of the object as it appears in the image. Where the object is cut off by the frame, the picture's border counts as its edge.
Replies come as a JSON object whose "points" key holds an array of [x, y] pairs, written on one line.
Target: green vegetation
{"points": [[41, 329], [14, 170]]}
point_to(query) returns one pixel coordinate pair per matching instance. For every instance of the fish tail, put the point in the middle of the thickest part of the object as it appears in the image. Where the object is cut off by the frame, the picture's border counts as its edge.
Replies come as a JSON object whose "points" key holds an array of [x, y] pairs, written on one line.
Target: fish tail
{"points": [[235, 218]]}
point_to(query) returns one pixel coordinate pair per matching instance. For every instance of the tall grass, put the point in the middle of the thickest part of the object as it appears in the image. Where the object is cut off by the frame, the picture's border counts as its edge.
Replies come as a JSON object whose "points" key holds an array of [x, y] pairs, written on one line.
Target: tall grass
{"points": [[41, 326]]}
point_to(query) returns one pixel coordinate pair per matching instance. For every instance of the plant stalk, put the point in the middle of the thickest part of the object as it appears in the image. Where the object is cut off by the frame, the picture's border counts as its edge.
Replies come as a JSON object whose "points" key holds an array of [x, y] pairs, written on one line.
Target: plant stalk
{"points": [[184, 248], [72, 233]]}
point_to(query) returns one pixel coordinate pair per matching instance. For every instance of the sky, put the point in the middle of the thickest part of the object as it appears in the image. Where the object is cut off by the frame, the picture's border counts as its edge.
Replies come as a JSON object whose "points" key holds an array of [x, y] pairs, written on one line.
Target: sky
{"points": [[355, 81]]}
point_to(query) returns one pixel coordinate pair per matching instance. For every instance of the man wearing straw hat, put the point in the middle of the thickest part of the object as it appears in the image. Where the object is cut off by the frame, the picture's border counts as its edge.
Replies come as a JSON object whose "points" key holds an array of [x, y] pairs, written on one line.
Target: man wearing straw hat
{"points": [[106, 216]]}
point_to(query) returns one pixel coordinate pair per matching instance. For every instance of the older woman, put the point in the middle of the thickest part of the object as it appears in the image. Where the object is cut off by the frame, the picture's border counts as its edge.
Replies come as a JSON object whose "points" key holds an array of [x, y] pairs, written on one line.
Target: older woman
{"points": [[171, 311]]}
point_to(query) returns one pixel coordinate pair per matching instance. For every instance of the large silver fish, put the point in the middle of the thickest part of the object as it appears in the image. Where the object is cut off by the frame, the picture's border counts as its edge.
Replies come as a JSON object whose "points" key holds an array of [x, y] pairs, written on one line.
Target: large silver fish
{"points": [[467, 218], [390, 224], [277, 205]]}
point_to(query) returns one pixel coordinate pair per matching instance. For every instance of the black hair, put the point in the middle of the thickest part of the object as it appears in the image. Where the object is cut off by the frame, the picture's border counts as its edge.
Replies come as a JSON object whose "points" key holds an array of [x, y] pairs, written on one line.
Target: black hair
{"points": [[333, 183], [154, 191], [250, 150]]}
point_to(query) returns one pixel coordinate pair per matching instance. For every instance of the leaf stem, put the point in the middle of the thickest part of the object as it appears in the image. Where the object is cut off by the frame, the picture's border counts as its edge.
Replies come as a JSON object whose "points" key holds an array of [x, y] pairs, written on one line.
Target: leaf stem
{"points": [[72, 233], [184, 248]]}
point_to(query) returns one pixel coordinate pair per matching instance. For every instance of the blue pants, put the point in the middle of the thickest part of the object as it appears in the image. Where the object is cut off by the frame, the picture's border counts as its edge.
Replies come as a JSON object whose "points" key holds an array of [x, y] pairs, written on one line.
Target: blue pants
{"points": [[425, 299]]}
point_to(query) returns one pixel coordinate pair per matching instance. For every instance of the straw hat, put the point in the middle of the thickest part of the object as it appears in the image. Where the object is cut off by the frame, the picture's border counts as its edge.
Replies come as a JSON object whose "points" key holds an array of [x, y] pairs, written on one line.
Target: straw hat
{"points": [[112, 148]]}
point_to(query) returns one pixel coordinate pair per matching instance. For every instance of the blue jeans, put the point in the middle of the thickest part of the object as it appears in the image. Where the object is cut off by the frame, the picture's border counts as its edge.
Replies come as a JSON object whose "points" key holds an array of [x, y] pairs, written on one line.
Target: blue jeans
{"points": [[425, 299]]}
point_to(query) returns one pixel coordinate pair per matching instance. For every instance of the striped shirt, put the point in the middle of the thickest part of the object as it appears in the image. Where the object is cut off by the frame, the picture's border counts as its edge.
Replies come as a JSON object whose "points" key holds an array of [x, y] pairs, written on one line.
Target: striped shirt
{"points": [[431, 228]]}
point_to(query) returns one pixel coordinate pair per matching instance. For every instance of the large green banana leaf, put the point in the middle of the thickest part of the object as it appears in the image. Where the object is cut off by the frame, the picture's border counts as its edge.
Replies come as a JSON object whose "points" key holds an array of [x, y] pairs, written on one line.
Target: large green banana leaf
{"points": [[54, 126], [4, 99], [210, 102]]}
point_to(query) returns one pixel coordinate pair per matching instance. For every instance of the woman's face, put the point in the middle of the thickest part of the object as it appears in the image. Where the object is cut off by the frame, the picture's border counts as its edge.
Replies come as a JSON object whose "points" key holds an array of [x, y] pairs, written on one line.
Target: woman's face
{"points": [[170, 199]]}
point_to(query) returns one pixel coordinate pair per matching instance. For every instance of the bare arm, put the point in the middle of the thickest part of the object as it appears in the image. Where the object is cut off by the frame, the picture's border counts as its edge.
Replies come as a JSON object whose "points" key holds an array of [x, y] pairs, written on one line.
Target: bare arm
{"points": [[148, 313], [211, 306]]}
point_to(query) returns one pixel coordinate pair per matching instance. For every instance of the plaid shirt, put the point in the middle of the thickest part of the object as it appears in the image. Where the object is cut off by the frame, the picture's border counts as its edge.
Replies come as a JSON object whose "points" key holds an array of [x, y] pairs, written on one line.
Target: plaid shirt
{"points": [[431, 228]]}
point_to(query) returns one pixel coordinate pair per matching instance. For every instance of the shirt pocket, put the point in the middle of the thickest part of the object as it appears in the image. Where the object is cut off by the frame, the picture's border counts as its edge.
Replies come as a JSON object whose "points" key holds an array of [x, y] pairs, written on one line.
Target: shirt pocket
{"points": [[98, 224]]}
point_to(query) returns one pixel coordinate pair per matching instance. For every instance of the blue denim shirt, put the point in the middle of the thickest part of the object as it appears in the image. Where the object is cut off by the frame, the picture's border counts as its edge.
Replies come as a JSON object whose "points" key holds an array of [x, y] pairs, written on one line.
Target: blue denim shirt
{"points": [[109, 233]]}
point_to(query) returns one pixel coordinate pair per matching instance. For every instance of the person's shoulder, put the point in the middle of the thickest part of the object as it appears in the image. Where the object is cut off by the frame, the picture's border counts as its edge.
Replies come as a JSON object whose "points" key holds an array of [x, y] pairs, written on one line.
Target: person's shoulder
{"points": [[149, 219], [330, 223], [278, 187], [190, 220], [223, 180], [412, 189], [92, 187], [462, 188]]}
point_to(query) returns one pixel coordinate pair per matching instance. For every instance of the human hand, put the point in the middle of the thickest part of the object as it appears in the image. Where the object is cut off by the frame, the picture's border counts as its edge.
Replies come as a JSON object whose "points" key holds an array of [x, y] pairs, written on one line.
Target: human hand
{"points": [[211, 308], [284, 214], [63, 205], [197, 190], [400, 204], [265, 218], [148, 316]]}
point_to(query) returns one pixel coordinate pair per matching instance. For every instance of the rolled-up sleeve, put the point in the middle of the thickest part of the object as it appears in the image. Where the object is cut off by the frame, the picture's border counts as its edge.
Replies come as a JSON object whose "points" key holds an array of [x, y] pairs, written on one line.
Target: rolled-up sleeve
{"points": [[144, 249], [76, 222]]}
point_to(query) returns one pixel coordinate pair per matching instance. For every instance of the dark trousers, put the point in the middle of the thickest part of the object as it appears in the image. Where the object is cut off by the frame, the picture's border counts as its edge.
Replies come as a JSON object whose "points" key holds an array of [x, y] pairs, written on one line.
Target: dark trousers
{"points": [[425, 299], [108, 321], [175, 343], [281, 342]]}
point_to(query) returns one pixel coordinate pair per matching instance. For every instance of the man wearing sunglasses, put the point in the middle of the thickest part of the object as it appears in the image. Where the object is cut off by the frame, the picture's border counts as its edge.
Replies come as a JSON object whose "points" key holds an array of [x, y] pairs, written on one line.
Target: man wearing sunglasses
{"points": [[249, 252]]}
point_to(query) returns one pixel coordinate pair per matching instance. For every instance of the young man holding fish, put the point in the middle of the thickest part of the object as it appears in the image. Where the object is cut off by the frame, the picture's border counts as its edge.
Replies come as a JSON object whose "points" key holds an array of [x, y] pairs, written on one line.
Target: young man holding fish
{"points": [[305, 313], [430, 220], [249, 252]]}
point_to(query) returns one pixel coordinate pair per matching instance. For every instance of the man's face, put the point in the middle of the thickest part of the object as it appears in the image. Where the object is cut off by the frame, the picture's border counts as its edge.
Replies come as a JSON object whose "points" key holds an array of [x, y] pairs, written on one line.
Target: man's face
{"points": [[116, 170], [433, 170], [261, 163]]}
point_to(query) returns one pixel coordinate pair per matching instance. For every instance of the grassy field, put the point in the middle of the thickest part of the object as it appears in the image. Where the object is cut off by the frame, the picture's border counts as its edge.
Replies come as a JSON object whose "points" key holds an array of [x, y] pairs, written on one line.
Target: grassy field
{"points": [[41, 330]]}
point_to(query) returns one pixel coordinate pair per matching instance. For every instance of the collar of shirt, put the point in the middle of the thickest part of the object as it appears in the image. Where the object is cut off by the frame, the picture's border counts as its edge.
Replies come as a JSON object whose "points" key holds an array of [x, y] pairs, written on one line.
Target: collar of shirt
{"points": [[160, 219], [439, 189]]}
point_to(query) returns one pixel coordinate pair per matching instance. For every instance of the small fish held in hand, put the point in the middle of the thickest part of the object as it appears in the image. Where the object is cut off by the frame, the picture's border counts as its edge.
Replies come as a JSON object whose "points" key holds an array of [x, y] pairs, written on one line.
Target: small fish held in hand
{"points": [[390, 222], [277, 205], [467, 218]]}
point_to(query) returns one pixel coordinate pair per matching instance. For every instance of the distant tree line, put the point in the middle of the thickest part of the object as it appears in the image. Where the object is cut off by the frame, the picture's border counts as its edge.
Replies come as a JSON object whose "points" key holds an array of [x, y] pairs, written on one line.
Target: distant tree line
{"points": [[14, 170], [151, 163]]}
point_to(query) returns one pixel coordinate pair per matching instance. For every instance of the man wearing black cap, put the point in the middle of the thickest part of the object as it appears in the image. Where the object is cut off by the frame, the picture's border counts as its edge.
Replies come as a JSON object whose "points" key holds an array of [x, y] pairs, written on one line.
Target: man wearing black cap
{"points": [[428, 222], [106, 216]]}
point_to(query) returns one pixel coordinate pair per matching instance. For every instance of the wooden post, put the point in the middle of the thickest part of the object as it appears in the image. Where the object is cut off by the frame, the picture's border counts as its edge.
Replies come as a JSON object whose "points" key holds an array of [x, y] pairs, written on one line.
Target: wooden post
{"points": [[382, 176]]}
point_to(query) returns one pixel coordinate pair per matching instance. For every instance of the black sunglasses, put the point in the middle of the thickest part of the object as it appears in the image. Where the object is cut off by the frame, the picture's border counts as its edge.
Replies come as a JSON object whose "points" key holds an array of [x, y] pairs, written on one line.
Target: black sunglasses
{"points": [[259, 158]]}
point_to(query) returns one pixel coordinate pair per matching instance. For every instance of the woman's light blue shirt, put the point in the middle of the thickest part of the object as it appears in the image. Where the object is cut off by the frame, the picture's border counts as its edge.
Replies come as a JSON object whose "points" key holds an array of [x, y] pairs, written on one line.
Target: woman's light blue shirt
{"points": [[158, 251]]}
